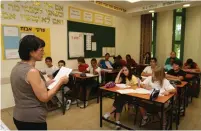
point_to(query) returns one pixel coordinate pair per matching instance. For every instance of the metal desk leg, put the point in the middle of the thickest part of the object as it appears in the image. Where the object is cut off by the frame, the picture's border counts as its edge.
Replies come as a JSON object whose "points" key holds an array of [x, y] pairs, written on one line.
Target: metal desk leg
{"points": [[179, 106], [171, 111], [63, 102], [184, 100], [162, 111], [101, 108], [85, 92]]}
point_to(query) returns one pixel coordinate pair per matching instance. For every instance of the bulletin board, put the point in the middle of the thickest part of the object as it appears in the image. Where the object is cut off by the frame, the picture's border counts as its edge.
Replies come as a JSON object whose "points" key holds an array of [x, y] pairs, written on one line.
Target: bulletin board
{"points": [[11, 35], [89, 40]]}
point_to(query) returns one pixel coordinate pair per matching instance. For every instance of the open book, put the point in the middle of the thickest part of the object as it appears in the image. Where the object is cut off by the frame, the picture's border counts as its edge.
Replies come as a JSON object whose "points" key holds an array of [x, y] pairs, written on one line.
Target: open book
{"points": [[62, 72]]}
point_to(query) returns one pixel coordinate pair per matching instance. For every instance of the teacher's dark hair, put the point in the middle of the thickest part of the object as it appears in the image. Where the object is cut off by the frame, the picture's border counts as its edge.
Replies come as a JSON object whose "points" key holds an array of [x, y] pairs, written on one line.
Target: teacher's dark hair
{"points": [[28, 44]]}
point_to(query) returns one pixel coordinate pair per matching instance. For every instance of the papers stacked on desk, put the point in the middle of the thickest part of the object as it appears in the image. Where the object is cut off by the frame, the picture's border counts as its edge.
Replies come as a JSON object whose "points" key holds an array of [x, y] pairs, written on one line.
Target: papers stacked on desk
{"points": [[76, 72], [106, 70], [122, 86], [142, 91], [138, 91], [126, 91], [62, 72]]}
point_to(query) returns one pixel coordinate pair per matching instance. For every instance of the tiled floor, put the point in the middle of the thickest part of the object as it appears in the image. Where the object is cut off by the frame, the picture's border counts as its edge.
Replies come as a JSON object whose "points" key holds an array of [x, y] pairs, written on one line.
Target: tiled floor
{"points": [[88, 119]]}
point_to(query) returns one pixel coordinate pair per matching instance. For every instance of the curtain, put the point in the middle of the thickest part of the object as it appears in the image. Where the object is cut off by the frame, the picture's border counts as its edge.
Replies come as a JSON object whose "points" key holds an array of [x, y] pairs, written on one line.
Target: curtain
{"points": [[146, 35]]}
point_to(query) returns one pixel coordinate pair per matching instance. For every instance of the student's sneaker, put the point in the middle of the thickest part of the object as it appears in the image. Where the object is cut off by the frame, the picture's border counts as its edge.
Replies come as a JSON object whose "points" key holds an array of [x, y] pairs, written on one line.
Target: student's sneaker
{"points": [[58, 104], [75, 102], [117, 126], [82, 105], [107, 115], [68, 104], [145, 121]]}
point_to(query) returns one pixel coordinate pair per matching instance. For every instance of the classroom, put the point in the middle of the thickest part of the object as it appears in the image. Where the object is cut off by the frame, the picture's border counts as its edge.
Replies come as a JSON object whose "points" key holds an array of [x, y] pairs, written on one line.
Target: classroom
{"points": [[104, 65]]}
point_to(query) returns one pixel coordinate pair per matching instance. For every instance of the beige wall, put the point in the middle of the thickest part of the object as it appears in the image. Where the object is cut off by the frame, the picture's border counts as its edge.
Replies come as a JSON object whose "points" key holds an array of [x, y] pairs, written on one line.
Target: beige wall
{"points": [[192, 45], [127, 41], [164, 36]]}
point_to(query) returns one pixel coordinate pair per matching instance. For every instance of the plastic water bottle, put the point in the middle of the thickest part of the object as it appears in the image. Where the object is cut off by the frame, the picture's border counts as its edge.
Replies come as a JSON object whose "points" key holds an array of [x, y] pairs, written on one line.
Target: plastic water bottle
{"points": [[139, 82]]}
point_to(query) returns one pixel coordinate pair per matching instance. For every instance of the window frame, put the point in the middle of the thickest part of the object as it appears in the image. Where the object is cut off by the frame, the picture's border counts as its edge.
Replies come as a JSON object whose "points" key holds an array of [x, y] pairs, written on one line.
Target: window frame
{"points": [[183, 22]]}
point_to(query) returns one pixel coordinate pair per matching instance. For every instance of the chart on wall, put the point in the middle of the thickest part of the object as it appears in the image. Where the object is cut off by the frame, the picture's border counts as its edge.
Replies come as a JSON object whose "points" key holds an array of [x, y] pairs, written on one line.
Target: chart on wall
{"points": [[11, 36]]}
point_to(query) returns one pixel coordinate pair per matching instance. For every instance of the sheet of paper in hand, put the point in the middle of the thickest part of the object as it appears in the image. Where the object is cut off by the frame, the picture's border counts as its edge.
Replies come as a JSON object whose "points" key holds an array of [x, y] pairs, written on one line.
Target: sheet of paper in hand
{"points": [[62, 72]]}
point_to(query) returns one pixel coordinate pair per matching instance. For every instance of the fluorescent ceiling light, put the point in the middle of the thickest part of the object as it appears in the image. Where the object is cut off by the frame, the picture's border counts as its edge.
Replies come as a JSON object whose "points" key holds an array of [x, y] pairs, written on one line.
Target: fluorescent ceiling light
{"points": [[151, 11], [133, 1], [186, 5]]}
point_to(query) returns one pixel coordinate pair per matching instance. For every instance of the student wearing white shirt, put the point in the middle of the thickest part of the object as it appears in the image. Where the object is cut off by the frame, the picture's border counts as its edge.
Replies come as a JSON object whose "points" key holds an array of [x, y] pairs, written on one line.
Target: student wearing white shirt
{"points": [[50, 68], [159, 82], [66, 89], [149, 69], [92, 83]]}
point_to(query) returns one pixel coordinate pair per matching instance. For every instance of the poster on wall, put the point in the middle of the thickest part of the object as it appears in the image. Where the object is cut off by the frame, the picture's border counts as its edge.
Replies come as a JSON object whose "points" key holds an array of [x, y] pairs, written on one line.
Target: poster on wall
{"points": [[98, 18], [88, 16], [76, 44], [75, 13]]}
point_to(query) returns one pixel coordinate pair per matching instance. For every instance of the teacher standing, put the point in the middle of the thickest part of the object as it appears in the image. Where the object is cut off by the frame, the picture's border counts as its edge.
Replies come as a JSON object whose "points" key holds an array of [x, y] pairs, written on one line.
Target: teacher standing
{"points": [[29, 86]]}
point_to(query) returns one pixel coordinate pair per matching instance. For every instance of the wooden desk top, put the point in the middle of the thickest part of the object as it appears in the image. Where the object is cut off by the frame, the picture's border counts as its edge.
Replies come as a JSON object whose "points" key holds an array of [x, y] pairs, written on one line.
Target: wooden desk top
{"points": [[193, 71], [77, 75], [183, 84], [110, 72], [160, 99]]}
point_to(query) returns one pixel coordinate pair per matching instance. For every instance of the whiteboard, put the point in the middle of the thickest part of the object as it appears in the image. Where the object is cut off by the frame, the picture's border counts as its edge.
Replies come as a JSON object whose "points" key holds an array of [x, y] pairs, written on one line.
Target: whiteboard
{"points": [[76, 44]]}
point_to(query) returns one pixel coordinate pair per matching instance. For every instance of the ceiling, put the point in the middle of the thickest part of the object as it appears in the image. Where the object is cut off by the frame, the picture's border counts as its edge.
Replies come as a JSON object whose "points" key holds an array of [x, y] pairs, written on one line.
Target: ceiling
{"points": [[137, 8], [127, 5]]}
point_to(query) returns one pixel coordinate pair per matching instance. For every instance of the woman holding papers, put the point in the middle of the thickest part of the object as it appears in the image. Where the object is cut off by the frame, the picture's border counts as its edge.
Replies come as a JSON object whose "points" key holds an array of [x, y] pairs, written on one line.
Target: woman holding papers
{"points": [[159, 82], [29, 86], [125, 77]]}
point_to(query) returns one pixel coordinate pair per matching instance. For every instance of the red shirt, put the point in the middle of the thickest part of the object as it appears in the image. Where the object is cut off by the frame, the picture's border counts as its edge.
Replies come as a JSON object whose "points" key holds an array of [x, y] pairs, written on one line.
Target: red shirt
{"points": [[123, 62], [83, 67], [193, 66]]}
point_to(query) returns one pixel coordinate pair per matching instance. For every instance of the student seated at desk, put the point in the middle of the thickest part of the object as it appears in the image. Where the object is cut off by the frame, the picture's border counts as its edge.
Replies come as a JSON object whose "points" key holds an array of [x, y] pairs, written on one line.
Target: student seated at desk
{"points": [[190, 64], [50, 67], [116, 64], [176, 73], [169, 66], [149, 69], [125, 76], [159, 82], [82, 67], [92, 83], [147, 58], [106, 64], [173, 56], [66, 89], [130, 62], [122, 62]]}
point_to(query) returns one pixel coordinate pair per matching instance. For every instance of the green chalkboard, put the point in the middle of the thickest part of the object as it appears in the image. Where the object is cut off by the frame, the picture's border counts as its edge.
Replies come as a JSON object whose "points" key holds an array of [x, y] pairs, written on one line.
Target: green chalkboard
{"points": [[104, 36]]}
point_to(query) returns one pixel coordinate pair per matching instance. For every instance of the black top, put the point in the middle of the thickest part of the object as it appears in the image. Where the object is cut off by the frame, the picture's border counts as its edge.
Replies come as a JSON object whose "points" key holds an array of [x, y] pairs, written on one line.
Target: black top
{"points": [[179, 73]]}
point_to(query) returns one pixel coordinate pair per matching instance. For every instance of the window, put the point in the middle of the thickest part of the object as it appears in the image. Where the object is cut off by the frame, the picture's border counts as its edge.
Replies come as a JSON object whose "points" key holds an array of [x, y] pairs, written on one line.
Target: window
{"points": [[178, 32], [153, 45]]}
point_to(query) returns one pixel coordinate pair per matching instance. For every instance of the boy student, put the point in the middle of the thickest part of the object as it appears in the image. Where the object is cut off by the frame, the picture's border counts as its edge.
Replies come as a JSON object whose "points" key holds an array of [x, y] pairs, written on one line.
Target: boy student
{"points": [[172, 55], [66, 89], [190, 64], [82, 67], [149, 69], [106, 64], [176, 73], [169, 66], [50, 67], [92, 83]]}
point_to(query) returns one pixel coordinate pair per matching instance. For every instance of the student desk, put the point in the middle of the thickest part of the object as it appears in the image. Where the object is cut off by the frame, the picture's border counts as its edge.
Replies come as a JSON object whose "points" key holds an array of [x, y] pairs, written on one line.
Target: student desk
{"points": [[181, 87], [160, 100], [194, 74], [77, 76], [105, 73]]}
